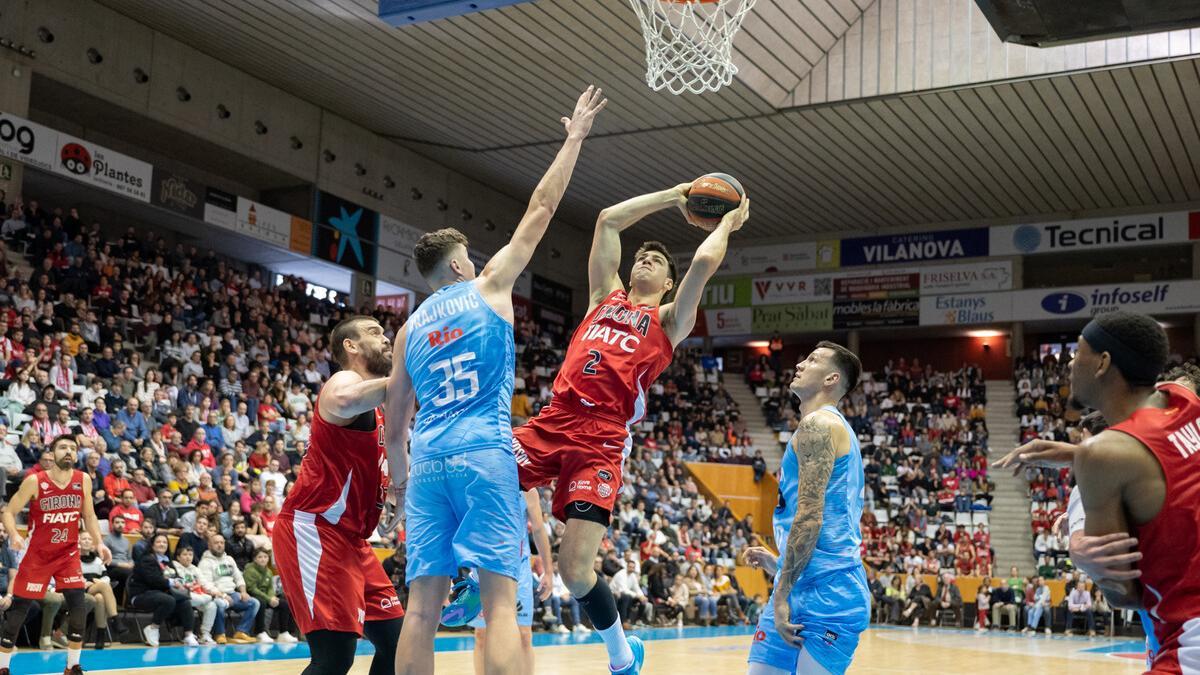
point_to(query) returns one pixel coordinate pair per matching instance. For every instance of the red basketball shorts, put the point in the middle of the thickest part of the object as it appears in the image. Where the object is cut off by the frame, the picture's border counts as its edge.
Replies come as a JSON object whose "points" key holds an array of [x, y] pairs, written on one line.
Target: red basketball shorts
{"points": [[38, 567], [585, 454], [331, 579]]}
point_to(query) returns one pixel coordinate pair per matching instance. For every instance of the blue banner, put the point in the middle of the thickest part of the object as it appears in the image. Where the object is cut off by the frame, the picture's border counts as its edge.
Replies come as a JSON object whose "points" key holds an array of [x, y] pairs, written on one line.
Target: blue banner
{"points": [[915, 247], [346, 233]]}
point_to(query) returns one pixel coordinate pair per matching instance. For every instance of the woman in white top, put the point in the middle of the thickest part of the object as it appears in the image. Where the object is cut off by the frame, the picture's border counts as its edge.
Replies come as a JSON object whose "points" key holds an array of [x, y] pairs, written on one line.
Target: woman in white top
{"points": [[147, 387]]}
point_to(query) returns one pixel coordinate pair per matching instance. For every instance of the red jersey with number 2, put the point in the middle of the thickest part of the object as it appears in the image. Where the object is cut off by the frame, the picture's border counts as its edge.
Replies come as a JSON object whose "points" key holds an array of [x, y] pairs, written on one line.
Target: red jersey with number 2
{"points": [[616, 353], [1170, 543], [54, 515]]}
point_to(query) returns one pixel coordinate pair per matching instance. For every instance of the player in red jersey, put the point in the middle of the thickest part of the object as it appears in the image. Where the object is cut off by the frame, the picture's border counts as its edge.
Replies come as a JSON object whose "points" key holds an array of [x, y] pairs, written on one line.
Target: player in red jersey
{"points": [[335, 585], [58, 499], [582, 438], [1142, 475]]}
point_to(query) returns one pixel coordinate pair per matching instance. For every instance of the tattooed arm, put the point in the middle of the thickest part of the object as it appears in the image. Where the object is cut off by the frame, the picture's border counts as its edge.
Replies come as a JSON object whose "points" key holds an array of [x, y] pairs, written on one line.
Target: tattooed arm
{"points": [[818, 441]]}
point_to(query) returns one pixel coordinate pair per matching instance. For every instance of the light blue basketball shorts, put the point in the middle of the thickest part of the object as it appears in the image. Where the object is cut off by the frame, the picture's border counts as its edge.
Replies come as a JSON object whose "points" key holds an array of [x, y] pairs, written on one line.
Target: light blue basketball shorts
{"points": [[834, 610], [465, 510]]}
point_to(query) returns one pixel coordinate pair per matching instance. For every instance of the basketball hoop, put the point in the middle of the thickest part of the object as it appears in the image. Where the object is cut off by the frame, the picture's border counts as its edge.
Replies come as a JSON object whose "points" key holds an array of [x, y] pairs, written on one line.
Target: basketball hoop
{"points": [[689, 42]]}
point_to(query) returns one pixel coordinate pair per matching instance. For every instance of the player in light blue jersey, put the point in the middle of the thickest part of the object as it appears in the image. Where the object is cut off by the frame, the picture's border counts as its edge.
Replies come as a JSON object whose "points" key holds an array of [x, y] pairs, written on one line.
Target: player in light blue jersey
{"points": [[455, 357], [821, 602]]}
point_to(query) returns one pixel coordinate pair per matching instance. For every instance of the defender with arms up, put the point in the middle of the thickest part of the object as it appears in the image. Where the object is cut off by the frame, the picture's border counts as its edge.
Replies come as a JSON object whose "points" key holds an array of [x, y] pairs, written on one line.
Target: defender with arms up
{"points": [[456, 356], [821, 601], [582, 438]]}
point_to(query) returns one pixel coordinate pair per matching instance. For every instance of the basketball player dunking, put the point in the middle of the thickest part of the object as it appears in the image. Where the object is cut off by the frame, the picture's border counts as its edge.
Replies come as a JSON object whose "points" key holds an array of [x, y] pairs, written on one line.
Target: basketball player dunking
{"points": [[1141, 476], [58, 499], [336, 586], [583, 436], [456, 357], [821, 602]]}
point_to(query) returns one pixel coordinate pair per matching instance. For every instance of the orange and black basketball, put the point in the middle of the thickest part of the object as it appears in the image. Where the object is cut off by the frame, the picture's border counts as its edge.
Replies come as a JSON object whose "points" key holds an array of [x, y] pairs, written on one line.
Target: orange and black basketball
{"points": [[711, 197]]}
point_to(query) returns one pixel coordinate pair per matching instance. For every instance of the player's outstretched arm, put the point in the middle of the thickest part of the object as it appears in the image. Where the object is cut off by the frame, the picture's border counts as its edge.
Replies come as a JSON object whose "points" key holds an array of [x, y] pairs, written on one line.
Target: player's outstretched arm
{"points": [[605, 260], [347, 395], [398, 413], [1102, 470], [8, 514], [502, 270], [91, 525], [679, 317], [815, 443]]}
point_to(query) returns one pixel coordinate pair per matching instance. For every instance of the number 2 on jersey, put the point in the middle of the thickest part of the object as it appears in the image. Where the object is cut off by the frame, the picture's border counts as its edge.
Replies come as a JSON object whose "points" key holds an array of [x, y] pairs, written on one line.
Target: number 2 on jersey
{"points": [[589, 368], [59, 535], [458, 383]]}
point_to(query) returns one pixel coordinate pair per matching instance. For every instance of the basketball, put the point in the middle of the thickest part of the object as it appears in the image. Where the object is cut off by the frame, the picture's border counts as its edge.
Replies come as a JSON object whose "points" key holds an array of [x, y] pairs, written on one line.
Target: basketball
{"points": [[711, 197]]}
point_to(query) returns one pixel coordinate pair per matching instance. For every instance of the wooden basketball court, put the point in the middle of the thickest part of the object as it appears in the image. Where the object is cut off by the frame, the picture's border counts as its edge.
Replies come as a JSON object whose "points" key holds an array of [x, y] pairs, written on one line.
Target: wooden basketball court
{"points": [[692, 651]]}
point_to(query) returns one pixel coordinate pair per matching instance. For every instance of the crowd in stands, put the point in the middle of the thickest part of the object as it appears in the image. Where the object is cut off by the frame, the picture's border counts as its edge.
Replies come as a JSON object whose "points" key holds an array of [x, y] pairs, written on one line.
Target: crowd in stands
{"points": [[190, 380]]}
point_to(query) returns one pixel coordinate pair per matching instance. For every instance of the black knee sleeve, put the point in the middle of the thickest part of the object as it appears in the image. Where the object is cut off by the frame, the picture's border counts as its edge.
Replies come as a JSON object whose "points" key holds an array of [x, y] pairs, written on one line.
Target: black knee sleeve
{"points": [[76, 614], [383, 635], [600, 605], [588, 511], [13, 619], [332, 652]]}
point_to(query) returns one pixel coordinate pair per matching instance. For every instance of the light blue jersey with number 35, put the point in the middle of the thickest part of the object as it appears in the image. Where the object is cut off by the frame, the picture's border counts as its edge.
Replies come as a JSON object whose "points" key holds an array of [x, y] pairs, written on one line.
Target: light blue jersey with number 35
{"points": [[460, 356]]}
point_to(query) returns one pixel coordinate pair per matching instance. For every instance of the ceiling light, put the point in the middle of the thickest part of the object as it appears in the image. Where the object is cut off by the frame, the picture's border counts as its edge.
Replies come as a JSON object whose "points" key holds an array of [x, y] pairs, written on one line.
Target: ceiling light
{"points": [[183, 94], [94, 56]]}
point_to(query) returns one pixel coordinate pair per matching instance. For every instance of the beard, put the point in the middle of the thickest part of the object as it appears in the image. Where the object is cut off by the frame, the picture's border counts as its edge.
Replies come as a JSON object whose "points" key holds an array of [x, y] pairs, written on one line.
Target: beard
{"points": [[64, 463], [1075, 404], [379, 364]]}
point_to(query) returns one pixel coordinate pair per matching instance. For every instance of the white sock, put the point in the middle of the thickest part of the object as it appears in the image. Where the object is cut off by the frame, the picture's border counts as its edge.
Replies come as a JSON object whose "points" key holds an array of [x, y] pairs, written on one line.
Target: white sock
{"points": [[73, 657], [4, 658], [619, 653]]}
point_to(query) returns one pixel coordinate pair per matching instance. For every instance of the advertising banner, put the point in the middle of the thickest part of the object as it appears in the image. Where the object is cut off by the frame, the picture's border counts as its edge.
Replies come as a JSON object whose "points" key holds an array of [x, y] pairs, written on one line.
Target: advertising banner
{"points": [[399, 269], [263, 222], [794, 318], [346, 233], [789, 289], [915, 247], [220, 208], [717, 322], [794, 257], [971, 278], [874, 313], [28, 142], [959, 310], [1167, 297], [103, 168], [726, 293], [551, 294], [398, 235], [179, 194], [878, 286], [1096, 233]]}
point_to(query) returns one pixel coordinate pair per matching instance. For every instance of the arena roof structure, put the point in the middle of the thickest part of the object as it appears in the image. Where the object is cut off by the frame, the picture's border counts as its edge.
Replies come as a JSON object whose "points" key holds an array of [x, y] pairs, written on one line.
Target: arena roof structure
{"points": [[856, 115]]}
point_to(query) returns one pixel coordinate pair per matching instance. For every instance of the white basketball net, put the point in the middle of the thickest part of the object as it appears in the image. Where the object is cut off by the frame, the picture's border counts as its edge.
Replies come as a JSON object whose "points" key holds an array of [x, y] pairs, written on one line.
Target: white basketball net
{"points": [[688, 43]]}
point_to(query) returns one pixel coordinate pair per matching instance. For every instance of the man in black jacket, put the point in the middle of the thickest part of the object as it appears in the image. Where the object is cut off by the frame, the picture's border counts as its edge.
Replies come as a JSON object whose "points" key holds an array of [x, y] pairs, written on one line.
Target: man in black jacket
{"points": [[164, 514]]}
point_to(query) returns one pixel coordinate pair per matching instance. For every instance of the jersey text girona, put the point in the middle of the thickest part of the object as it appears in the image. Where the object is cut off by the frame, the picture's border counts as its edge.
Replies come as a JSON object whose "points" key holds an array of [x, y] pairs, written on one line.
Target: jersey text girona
{"points": [[344, 474], [1170, 543], [616, 353], [55, 513]]}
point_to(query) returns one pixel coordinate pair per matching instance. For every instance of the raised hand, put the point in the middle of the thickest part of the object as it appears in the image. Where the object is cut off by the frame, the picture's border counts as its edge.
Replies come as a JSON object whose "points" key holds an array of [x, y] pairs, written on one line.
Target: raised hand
{"points": [[737, 217], [580, 122]]}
